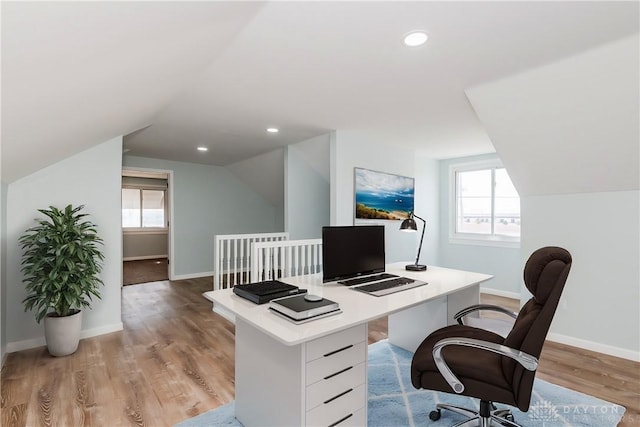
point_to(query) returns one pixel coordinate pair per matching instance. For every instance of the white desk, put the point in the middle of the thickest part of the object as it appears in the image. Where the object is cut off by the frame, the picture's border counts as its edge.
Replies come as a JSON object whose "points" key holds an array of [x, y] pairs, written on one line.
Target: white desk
{"points": [[315, 373]]}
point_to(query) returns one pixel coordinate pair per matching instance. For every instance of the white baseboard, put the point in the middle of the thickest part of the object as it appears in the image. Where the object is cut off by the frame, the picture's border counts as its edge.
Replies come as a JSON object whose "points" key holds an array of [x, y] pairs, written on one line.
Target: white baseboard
{"points": [[141, 258], [192, 275], [610, 350], [107, 329], [500, 293], [572, 341], [39, 341], [25, 345]]}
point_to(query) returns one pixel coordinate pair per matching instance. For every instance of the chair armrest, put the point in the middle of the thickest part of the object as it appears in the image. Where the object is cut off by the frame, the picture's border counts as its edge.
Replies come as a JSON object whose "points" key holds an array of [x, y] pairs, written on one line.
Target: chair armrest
{"points": [[528, 361], [465, 311]]}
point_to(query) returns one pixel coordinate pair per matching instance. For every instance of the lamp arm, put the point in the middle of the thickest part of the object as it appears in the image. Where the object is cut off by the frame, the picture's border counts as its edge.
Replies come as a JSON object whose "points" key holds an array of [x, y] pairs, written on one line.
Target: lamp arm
{"points": [[424, 226]]}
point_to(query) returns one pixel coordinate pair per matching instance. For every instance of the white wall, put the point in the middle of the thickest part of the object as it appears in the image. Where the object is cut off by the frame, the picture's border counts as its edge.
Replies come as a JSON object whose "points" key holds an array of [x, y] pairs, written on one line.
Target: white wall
{"points": [[504, 263], [306, 192], [600, 306], [351, 149], [91, 178], [208, 200]]}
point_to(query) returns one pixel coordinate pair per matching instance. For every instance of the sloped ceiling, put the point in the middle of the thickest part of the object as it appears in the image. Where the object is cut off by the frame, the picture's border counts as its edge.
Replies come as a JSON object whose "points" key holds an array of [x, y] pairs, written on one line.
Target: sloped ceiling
{"points": [[75, 74], [569, 127], [264, 174], [173, 75], [316, 152]]}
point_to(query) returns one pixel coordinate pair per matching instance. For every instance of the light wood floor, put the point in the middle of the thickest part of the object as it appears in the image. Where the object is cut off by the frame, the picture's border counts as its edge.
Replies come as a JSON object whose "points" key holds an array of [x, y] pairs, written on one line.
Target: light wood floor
{"points": [[175, 360]]}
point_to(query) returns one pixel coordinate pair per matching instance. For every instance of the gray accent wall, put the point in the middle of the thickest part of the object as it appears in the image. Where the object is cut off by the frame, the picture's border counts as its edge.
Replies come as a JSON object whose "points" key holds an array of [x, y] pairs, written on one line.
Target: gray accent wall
{"points": [[307, 195], [91, 178], [600, 306], [264, 174], [208, 200], [351, 149]]}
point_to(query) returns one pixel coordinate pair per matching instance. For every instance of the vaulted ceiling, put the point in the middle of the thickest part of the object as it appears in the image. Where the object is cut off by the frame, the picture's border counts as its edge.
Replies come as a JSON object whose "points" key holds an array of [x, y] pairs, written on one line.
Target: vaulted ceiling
{"points": [[175, 75]]}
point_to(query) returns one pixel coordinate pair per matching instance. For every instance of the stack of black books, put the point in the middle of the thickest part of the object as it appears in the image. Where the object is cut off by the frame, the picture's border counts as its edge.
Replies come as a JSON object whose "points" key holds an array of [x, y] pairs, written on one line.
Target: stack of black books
{"points": [[263, 292]]}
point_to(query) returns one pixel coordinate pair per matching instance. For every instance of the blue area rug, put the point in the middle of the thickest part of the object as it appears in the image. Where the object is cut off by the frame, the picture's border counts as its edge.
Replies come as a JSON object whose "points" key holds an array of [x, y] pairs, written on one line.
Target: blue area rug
{"points": [[394, 402]]}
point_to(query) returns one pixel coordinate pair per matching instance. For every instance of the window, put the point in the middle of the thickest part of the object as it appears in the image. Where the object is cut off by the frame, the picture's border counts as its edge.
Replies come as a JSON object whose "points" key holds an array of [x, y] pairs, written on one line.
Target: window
{"points": [[485, 205], [143, 208]]}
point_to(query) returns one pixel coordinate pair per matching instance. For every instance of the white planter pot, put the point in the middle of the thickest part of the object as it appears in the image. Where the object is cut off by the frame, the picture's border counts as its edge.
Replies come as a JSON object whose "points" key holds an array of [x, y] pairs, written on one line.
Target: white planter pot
{"points": [[62, 333]]}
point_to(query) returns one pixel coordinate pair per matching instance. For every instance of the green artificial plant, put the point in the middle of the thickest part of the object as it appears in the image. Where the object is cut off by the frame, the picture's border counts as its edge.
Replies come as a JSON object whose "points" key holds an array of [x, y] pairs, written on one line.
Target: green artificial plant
{"points": [[61, 262]]}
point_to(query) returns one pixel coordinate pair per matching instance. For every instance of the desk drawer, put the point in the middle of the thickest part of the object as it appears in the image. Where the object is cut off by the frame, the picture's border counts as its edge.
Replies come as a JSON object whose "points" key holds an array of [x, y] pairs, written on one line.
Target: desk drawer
{"points": [[330, 343], [356, 419], [339, 410], [325, 389], [333, 363]]}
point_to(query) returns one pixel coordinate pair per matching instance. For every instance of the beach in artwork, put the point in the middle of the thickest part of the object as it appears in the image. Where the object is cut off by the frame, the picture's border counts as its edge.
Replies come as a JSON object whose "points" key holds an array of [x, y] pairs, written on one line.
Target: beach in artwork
{"points": [[381, 195]]}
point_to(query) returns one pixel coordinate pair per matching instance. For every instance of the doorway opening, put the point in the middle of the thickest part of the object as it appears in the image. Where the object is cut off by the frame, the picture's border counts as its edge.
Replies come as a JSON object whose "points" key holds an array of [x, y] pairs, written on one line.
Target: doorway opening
{"points": [[146, 231]]}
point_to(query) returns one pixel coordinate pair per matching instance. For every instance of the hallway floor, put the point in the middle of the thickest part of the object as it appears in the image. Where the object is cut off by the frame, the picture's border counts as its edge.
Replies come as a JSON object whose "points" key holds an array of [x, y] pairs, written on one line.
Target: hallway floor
{"points": [[143, 271]]}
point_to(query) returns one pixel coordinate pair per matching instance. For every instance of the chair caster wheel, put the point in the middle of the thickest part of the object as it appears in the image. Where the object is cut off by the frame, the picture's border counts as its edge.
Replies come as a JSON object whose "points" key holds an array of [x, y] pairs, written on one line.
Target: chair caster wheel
{"points": [[508, 417], [435, 415]]}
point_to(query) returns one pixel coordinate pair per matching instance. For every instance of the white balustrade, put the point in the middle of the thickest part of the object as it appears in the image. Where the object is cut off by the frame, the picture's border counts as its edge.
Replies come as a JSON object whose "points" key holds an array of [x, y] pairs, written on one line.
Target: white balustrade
{"points": [[232, 257], [276, 259]]}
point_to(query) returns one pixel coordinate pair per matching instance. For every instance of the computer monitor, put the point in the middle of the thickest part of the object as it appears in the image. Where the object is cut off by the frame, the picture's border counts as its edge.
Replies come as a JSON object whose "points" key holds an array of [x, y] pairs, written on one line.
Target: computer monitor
{"points": [[351, 251]]}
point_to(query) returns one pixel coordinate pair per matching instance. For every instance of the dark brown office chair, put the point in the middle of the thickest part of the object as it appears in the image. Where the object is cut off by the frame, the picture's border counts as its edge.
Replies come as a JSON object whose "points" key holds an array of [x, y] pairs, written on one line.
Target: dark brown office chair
{"points": [[482, 364], [501, 325]]}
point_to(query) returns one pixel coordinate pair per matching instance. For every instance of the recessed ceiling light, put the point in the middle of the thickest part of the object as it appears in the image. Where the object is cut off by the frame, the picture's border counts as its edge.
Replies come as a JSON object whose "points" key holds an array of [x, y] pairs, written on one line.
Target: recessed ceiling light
{"points": [[203, 149], [273, 130], [415, 38]]}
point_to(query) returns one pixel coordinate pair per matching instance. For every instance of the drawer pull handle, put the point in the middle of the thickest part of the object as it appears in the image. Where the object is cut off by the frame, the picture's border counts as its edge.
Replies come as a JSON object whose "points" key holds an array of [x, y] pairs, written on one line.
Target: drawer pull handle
{"points": [[337, 396], [339, 421], [338, 350], [337, 373]]}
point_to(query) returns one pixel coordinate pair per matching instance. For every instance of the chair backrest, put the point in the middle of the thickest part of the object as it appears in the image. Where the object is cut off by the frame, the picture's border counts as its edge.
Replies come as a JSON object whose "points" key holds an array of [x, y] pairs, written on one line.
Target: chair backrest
{"points": [[545, 274]]}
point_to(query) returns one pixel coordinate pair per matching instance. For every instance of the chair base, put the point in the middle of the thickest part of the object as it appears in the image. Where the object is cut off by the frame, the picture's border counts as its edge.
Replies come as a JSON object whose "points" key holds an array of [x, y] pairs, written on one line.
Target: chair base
{"points": [[487, 416]]}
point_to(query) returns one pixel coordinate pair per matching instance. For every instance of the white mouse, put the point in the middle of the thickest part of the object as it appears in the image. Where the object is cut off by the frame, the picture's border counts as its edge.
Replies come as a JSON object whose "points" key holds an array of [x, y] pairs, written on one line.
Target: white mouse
{"points": [[312, 298]]}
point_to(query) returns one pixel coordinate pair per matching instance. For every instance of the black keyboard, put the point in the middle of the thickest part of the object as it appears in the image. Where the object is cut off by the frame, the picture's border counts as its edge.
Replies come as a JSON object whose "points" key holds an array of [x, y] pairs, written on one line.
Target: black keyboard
{"points": [[360, 280], [387, 284]]}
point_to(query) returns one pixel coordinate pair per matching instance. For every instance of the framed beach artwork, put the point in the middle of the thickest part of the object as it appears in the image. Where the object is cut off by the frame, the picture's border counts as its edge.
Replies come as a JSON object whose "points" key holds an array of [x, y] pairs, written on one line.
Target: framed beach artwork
{"points": [[380, 195]]}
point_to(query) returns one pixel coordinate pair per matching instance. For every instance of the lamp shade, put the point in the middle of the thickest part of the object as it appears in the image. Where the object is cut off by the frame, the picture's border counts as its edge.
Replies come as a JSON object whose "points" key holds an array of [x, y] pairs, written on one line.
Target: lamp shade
{"points": [[409, 224]]}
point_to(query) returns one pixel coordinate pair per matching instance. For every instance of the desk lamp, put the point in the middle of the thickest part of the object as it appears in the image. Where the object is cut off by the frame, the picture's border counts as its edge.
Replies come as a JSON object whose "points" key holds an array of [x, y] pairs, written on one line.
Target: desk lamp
{"points": [[410, 225]]}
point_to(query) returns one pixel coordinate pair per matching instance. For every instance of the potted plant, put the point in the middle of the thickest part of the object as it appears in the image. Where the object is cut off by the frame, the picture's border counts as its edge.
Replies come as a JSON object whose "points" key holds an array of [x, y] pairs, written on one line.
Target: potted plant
{"points": [[61, 263]]}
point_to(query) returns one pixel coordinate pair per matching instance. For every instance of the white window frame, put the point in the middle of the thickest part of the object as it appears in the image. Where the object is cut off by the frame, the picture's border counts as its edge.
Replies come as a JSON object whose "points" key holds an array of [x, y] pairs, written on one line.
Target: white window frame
{"points": [[148, 230], [473, 238]]}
